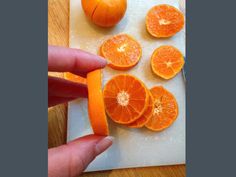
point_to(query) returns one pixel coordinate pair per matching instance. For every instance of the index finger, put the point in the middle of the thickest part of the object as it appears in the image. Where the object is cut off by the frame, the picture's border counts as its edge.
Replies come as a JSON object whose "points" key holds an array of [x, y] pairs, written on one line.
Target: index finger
{"points": [[61, 59]]}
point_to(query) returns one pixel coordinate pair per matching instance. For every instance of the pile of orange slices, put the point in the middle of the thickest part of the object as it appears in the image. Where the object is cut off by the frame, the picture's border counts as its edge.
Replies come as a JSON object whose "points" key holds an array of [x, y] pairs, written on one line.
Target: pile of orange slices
{"points": [[126, 99]]}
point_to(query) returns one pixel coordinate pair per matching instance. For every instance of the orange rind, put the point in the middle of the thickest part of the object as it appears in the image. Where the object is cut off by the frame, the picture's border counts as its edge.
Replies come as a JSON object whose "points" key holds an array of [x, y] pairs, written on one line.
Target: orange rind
{"points": [[96, 109]]}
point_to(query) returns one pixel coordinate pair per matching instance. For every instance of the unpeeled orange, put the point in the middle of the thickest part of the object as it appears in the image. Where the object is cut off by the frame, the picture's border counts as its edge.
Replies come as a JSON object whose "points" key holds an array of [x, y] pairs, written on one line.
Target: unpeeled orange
{"points": [[104, 13]]}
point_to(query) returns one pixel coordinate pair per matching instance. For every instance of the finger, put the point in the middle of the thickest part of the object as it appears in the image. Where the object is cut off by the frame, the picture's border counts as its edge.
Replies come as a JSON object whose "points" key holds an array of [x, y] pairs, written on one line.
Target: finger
{"points": [[76, 61], [72, 159], [53, 100], [59, 87]]}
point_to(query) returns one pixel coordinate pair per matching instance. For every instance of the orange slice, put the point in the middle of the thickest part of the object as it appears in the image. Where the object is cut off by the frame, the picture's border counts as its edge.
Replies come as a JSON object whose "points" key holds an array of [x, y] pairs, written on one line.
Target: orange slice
{"points": [[122, 51], [96, 109], [74, 78], [146, 115], [126, 98], [164, 21], [165, 109], [167, 61]]}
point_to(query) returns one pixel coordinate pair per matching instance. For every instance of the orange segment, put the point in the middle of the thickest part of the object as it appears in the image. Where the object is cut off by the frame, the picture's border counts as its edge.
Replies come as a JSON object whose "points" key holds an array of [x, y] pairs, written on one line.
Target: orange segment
{"points": [[164, 21], [167, 61], [165, 109], [74, 78], [146, 115], [126, 98], [122, 51], [96, 107]]}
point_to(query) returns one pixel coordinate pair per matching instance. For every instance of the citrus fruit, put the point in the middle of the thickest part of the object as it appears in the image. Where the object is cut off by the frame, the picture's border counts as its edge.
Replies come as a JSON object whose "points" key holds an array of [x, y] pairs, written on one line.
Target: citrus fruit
{"points": [[96, 109], [146, 115], [165, 109], [167, 61], [126, 98], [74, 78], [104, 13], [164, 21], [122, 51]]}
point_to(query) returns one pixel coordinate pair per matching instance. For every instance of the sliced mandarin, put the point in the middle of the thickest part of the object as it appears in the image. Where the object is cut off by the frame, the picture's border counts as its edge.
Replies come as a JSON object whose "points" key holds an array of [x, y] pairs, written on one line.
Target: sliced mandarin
{"points": [[164, 21], [109, 12], [74, 78], [146, 115], [96, 109], [167, 61], [165, 109], [126, 98], [122, 51], [89, 7]]}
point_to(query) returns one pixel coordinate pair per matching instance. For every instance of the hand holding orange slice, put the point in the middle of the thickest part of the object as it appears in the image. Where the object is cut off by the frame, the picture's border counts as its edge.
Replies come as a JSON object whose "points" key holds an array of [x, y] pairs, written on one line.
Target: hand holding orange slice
{"points": [[126, 98], [122, 51], [164, 21], [165, 109], [167, 61], [96, 109]]}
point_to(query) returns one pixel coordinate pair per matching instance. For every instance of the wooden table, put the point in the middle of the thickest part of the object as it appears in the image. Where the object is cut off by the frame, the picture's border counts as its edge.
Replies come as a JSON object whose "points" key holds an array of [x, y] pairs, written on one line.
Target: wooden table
{"points": [[58, 34]]}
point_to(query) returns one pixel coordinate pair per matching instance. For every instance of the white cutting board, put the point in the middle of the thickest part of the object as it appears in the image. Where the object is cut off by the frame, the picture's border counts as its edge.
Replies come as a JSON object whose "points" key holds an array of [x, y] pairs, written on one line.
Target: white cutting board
{"points": [[132, 147]]}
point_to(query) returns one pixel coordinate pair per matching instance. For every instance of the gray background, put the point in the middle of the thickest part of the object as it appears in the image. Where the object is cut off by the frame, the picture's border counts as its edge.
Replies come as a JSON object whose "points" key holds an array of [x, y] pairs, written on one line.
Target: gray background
{"points": [[23, 88], [211, 87]]}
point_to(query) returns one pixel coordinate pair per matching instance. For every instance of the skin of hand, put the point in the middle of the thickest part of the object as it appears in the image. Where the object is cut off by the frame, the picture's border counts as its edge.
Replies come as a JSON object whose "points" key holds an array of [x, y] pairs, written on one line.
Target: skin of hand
{"points": [[71, 159]]}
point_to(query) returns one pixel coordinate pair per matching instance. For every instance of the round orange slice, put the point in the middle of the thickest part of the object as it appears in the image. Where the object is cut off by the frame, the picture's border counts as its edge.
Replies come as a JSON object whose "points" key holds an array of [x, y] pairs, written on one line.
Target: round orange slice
{"points": [[74, 78], [126, 98], [122, 51], [96, 109], [164, 21], [146, 115], [165, 109], [167, 61]]}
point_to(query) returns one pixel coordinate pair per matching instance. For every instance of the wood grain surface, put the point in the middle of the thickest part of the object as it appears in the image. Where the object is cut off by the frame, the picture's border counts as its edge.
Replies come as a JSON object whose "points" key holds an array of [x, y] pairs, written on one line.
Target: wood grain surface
{"points": [[58, 34]]}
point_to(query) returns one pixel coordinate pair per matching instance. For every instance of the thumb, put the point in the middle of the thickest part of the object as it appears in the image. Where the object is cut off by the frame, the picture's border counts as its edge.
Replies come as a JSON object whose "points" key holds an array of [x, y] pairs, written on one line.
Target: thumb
{"points": [[71, 159]]}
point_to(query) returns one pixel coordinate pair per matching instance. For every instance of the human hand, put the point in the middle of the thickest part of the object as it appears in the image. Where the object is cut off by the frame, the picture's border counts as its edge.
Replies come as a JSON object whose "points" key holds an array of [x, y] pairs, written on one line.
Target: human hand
{"points": [[71, 159], [76, 61]]}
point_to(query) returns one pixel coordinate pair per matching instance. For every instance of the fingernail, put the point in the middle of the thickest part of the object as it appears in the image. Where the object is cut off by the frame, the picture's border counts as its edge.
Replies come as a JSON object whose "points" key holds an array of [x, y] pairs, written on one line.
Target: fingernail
{"points": [[103, 144], [105, 61]]}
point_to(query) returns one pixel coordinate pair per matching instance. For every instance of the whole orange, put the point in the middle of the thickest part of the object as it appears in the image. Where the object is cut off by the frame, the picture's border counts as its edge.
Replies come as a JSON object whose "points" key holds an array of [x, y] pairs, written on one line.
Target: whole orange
{"points": [[104, 13]]}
